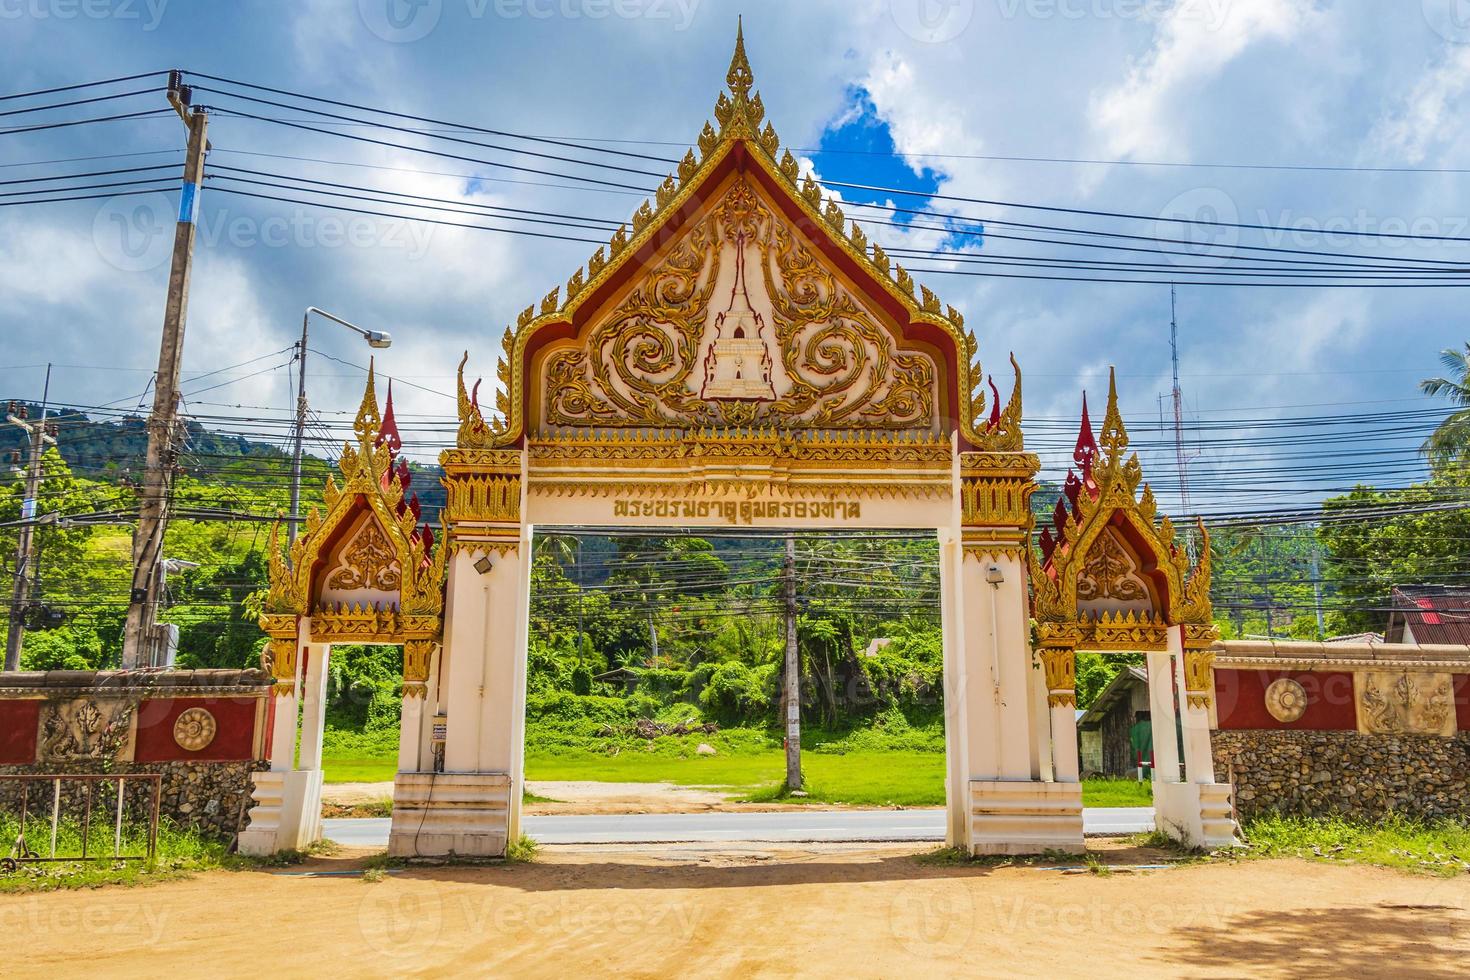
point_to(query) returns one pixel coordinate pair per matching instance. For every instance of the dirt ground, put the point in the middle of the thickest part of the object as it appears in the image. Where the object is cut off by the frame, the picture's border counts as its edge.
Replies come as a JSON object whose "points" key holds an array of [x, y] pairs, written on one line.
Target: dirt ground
{"points": [[586, 797], [732, 910]]}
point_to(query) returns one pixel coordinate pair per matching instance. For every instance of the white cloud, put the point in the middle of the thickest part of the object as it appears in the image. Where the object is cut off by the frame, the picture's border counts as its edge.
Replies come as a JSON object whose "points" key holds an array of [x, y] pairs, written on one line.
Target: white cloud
{"points": [[1429, 115], [1146, 114]]}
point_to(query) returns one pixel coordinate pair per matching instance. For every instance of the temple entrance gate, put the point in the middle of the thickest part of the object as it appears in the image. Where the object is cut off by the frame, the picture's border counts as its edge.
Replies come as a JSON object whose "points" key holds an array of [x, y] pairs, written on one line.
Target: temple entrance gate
{"points": [[745, 358], [363, 571], [1110, 579]]}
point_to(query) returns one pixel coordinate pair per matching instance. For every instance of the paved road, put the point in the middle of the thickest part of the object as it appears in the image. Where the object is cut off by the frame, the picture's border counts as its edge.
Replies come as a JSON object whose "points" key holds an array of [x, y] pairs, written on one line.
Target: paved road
{"points": [[784, 826]]}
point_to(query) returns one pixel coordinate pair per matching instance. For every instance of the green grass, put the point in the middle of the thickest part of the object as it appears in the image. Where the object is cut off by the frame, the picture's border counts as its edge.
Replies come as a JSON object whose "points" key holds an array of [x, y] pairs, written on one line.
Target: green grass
{"points": [[180, 853], [359, 769], [1438, 848], [1117, 792], [859, 778]]}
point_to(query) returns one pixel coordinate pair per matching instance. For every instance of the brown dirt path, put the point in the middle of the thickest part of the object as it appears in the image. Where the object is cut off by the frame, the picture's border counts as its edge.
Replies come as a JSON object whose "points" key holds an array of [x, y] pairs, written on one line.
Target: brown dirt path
{"points": [[838, 911]]}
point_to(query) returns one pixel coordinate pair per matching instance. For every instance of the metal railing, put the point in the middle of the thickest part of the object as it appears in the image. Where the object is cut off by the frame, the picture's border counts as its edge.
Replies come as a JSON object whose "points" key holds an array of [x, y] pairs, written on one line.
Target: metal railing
{"points": [[21, 851]]}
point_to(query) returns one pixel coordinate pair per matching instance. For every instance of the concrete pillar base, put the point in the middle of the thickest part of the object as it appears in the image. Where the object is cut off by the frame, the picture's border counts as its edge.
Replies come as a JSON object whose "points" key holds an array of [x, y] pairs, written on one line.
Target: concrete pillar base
{"points": [[1023, 817], [259, 838], [1195, 814], [287, 813], [450, 814]]}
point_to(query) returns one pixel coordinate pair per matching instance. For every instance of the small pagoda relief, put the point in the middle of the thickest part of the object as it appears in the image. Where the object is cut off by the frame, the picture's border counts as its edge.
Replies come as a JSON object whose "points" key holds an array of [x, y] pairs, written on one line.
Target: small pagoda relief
{"points": [[738, 365]]}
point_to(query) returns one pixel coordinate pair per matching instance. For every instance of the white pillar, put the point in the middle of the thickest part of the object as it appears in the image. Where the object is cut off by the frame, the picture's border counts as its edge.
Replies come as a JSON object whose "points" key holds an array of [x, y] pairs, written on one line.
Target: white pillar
{"points": [[410, 732], [1161, 715], [997, 653], [956, 736], [472, 808], [283, 722], [1058, 679], [314, 713], [466, 635], [516, 708], [1042, 762], [1199, 760]]}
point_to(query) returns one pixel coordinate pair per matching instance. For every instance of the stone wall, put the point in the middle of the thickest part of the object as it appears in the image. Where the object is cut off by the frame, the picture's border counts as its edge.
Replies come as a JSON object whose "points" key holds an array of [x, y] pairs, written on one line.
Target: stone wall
{"points": [[211, 797], [1316, 773]]}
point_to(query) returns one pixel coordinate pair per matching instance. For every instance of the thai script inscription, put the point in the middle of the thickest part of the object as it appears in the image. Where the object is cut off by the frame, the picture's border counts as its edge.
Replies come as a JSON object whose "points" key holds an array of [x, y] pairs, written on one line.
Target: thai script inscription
{"points": [[740, 511]]}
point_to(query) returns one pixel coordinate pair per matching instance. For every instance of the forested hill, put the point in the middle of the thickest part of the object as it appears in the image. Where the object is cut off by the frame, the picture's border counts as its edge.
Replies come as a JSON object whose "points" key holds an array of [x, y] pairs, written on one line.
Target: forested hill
{"points": [[101, 449], [113, 451]]}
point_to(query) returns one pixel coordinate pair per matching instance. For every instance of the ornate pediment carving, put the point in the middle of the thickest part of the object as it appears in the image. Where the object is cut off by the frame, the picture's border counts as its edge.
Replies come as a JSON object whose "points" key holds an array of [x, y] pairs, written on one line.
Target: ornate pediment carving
{"points": [[740, 323], [814, 349]]}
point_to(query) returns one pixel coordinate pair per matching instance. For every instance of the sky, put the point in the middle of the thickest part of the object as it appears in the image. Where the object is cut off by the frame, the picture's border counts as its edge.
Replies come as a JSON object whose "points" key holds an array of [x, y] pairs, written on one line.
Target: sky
{"points": [[915, 94]]}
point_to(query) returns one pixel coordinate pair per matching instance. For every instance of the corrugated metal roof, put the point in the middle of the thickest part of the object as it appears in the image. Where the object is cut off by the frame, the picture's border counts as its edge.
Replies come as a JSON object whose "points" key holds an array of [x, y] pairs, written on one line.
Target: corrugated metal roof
{"points": [[1432, 613]]}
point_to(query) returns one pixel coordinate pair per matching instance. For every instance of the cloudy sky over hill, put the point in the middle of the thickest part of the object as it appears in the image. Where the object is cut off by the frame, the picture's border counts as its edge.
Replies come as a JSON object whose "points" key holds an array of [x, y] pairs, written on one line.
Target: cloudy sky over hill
{"points": [[1345, 116]]}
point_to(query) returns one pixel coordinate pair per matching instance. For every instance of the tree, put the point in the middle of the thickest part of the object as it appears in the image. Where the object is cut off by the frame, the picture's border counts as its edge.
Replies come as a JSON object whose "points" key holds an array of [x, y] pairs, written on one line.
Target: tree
{"points": [[1449, 442], [1365, 559]]}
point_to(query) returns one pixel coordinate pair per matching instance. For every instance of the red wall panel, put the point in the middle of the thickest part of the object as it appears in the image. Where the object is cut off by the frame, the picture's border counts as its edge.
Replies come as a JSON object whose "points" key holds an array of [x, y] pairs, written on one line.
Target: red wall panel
{"points": [[234, 736], [1240, 696], [1462, 702], [18, 723]]}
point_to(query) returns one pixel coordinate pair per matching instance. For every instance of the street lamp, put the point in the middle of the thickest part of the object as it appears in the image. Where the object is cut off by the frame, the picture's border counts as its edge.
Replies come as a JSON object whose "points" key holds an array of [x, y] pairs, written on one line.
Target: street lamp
{"points": [[375, 339]]}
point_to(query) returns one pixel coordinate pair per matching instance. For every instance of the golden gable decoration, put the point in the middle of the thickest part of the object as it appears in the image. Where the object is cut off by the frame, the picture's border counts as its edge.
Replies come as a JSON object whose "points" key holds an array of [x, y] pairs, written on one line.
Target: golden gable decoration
{"points": [[384, 552], [644, 362], [1111, 577]]}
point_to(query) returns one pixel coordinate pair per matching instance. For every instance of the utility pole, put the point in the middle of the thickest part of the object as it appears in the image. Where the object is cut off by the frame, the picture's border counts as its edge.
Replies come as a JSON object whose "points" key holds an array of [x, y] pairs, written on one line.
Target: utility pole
{"points": [[20, 592], [1317, 584], [163, 422], [1179, 421], [791, 690]]}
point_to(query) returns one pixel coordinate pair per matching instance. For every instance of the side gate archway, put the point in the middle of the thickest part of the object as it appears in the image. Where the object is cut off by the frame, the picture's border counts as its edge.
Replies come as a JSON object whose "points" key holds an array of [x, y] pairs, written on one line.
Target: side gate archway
{"points": [[364, 570], [1111, 580], [739, 356]]}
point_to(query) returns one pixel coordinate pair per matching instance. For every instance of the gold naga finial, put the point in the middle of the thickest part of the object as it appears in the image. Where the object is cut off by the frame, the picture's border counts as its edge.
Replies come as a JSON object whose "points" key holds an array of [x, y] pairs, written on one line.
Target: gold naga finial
{"points": [[740, 78], [1114, 436], [368, 421]]}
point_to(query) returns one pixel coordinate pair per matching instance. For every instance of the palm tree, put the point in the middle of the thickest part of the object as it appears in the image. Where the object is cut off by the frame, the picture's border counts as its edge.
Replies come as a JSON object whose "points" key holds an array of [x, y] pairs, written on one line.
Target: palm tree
{"points": [[1450, 442], [562, 548]]}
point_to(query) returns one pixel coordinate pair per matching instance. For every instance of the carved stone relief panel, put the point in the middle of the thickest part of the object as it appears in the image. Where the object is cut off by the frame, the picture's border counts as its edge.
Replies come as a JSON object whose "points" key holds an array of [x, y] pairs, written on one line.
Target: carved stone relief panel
{"points": [[1405, 702], [86, 729]]}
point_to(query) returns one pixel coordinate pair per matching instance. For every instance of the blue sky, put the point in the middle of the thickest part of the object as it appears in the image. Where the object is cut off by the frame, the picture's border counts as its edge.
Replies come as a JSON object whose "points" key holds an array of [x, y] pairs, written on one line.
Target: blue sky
{"points": [[929, 92]]}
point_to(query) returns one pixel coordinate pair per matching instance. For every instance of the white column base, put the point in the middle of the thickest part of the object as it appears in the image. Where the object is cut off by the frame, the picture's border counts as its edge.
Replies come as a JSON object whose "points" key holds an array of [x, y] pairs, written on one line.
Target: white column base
{"points": [[259, 838], [1195, 814], [287, 813], [450, 814], [1022, 817]]}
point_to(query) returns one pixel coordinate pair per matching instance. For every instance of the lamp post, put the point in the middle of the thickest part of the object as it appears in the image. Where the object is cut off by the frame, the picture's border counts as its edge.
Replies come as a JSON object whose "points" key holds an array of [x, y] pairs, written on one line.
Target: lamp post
{"points": [[375, 339]]}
